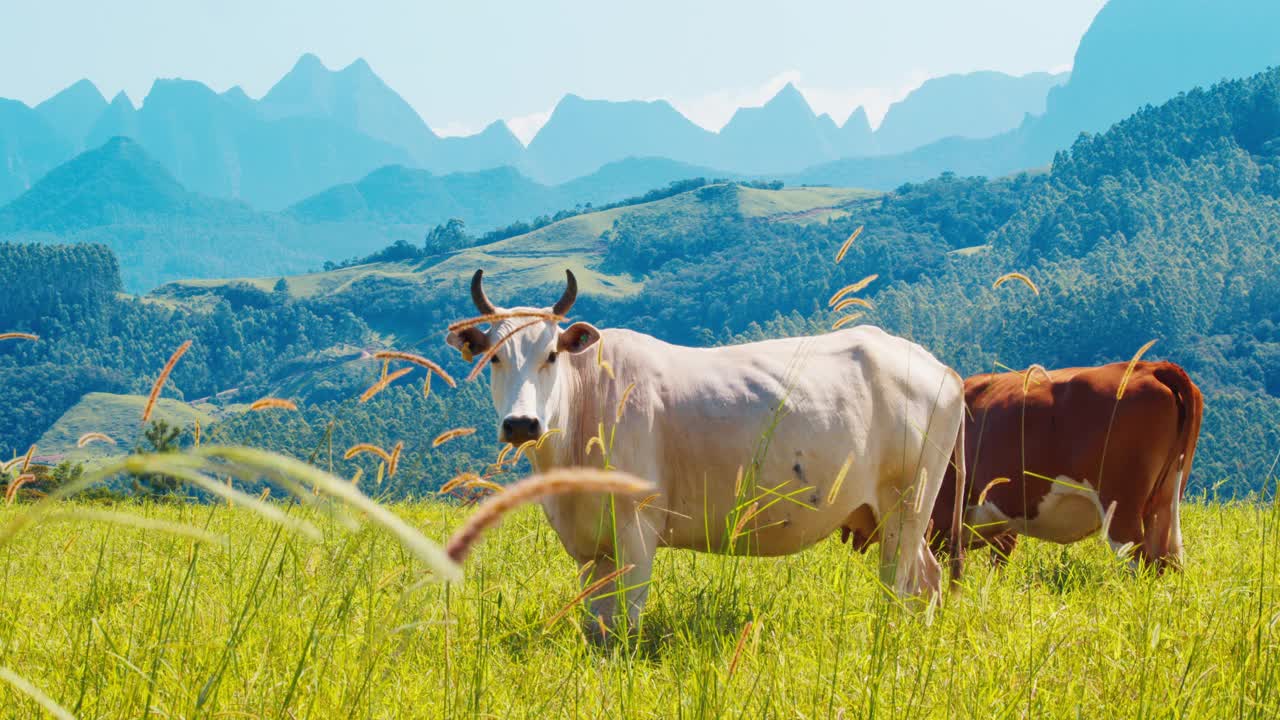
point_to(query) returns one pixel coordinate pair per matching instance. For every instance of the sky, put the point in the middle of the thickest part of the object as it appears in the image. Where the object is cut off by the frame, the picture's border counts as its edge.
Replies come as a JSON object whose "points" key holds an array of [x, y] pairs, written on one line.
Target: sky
{"points": [[462, 65]]}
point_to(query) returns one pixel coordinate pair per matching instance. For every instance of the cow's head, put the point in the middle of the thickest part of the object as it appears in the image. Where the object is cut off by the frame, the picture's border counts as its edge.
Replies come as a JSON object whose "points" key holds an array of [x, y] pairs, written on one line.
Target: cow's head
{"points": [[525, 372]]}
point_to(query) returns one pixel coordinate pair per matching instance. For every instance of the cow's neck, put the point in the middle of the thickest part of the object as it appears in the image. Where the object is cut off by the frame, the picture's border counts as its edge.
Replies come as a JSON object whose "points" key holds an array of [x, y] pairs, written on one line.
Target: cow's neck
{"points": [[580, 410]]}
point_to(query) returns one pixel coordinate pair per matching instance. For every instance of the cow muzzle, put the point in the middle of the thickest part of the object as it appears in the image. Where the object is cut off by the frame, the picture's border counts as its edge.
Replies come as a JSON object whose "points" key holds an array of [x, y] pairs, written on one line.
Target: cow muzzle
{"points": [[520, 429]]}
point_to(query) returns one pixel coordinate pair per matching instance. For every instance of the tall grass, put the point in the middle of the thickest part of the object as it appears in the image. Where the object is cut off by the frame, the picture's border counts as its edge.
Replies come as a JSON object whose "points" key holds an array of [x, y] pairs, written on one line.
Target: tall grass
{"points": [[119, 622]]}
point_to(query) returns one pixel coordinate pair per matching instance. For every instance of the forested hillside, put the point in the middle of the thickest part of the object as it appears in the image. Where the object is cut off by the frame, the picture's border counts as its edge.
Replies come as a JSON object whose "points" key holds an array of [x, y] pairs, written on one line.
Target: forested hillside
{"points": [[1165, 227]]}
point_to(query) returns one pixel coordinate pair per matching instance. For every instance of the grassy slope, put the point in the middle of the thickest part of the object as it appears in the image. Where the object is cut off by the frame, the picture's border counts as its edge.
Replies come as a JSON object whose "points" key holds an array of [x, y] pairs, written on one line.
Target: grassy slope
{"points": [[540, 257], [120, 619], [119, 416]]}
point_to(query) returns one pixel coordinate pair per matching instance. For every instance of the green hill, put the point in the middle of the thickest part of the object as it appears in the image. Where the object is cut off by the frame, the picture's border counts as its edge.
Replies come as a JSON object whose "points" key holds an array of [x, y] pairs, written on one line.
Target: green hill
{"points": [[118, 417]]}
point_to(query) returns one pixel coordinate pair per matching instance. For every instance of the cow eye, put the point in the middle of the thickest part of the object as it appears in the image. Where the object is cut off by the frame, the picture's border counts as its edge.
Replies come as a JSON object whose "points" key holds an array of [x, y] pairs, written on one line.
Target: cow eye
{"points": [[493, 360], [551, 357]]}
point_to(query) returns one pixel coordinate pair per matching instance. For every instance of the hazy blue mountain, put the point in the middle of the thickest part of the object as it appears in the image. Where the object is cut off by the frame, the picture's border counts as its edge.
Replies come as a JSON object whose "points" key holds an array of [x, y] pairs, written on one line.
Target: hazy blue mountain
{"points": [[116, 183], [29, 147], [783, 135], [973, 105], [632, 177], [583, 135], [856, 137], [1140, 52], [400, 195], [119, 119], [495, 146], [1136, 52], [72, 112], [354, 98]]}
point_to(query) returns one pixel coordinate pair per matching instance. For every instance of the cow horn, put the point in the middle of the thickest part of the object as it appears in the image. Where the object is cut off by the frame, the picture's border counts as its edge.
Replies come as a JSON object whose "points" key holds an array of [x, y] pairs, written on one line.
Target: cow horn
{"points": [[565, 302], [478, 297]]}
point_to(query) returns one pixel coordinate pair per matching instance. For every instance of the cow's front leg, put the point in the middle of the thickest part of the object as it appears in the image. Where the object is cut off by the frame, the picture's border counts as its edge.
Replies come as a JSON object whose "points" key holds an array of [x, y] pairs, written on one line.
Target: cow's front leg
{"points": [[633, 553]]}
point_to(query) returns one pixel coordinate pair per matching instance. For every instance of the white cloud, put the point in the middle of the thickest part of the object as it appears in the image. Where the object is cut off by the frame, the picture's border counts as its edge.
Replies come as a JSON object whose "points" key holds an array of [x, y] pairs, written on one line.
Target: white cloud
{"points": [[524, 127]]}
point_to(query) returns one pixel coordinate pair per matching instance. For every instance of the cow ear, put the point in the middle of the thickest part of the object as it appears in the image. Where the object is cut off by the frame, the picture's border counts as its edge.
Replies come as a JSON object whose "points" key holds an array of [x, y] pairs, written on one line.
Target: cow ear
{"points": [[469, 342], [577, 337]]}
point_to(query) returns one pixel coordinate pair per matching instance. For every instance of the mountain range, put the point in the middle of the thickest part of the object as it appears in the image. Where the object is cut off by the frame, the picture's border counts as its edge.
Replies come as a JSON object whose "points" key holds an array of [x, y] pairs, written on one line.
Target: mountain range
{"points": [[318, 127], [1135, 53]]}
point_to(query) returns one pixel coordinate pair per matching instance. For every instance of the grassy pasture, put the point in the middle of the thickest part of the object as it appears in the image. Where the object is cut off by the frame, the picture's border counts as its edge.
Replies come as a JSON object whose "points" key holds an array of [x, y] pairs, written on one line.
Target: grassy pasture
{"points": [[119, 622]]}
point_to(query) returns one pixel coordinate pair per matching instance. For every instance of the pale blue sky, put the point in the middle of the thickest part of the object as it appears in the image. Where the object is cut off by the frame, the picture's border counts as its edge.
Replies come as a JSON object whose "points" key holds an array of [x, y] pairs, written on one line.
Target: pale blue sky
{"points": [[463, 64]]}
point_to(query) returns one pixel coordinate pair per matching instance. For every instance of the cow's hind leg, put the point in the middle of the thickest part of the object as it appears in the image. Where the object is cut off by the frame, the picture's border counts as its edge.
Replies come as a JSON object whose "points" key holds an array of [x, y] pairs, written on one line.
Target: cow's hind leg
{"points": [[906, 563]]}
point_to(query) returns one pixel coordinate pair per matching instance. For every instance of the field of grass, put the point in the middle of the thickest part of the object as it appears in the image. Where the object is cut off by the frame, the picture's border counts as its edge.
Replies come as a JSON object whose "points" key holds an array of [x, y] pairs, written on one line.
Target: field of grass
{"points": [[119, 622], [116, 416]]}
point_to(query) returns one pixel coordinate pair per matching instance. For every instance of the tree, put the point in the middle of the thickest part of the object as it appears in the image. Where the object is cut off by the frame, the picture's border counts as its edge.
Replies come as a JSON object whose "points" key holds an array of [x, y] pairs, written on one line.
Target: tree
{"points": [[447, 238], [160, 437]]}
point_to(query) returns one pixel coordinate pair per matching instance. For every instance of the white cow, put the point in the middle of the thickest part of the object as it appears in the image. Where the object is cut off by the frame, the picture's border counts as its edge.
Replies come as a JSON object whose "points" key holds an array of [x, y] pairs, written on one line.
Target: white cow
{"points": [[744, 443]]}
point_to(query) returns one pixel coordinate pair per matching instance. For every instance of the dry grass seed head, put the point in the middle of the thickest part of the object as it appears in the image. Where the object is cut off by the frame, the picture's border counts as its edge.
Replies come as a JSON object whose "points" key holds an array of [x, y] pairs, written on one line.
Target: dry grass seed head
{"points": [[846, 320], [383, 382], [982, 496], [835, 486], [1133, 363], [587, 592], [1015, 276], [852, 288], [19, 336], [850, 302], [848, 243], [420, 362], [359, 448], [535, 487], [89, 437], [164, 375], [394, 461], [448, 435], [622, 402], [273, 402], [737, 649]]}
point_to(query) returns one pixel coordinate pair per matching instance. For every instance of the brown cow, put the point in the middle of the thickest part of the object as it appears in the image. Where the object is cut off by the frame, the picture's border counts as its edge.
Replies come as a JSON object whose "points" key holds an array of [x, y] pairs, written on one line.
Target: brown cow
{"points": [[1056, 459]]}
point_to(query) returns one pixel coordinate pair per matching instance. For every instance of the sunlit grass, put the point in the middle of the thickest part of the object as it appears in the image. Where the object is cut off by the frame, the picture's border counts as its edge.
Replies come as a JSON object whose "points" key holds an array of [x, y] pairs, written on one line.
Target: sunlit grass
{"points": [[109, 621]]}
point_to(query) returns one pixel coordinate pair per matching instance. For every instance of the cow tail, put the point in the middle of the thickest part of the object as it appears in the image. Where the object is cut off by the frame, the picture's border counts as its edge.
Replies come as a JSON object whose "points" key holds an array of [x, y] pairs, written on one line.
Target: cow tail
{"points": [[957, 509], [1190, 410]]}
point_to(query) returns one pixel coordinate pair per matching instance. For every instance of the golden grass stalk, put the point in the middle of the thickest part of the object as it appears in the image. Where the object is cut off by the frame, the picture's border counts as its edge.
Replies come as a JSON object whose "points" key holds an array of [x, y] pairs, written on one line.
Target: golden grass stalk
{"points": [[493, 349], [847, 243], [742, 521], [502, 454], [26, 459], [11, 492], [852, 288], [982, 496], [164, 375], [840, 476], [485, 485], [9, 465], [594, 441], [419, 361], [25, 687], [499, 317], [394, 462], [586, 593], [456, 482], [19, 336], [383, 382], [197, 432], [622, 402], [448, 435], [737, 650], [273, 402], [535, 487], [547, 434], [846, 320], [89, 437], [601, 362], [1128, 371], [647, 501], [524, 448], [850, 302], [1015, 276], [426, 386], [355, 479], [358, 448], [1026, 376]]}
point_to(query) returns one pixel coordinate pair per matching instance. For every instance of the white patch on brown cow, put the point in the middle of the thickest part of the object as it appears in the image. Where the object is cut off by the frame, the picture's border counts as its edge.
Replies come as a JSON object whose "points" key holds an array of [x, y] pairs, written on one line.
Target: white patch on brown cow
{"points": [[1070, 511]]}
